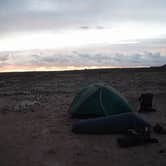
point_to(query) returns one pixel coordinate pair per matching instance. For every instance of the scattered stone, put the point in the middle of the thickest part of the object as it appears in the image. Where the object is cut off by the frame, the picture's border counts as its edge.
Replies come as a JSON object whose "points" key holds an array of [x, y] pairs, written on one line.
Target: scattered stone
{"points": [[78, 153], [5, 110], [51, 151], [162, 151], [159, 129], [25, 106]]}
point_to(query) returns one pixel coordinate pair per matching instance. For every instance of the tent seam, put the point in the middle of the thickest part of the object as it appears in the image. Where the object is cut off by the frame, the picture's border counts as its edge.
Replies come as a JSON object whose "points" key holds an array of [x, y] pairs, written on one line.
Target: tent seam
{"points": [[101, 103]]}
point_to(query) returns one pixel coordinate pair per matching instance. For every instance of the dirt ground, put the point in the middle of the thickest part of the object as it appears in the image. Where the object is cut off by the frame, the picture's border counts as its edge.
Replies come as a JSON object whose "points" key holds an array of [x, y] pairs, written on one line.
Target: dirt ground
{"points": [[35, 127]]}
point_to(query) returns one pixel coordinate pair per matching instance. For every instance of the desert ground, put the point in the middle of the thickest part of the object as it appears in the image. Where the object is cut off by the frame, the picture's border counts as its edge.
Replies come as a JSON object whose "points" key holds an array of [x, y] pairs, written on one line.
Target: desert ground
{"points": [[35, 126]]}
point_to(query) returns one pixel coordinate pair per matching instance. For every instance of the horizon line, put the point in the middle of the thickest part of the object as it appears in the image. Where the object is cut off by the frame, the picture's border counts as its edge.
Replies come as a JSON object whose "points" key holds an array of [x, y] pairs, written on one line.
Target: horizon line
{"points": [[77, 69]]}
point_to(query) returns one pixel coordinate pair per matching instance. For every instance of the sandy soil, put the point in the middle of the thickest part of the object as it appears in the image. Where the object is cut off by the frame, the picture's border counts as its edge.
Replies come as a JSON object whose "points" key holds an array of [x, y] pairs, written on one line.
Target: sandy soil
{"points": [[35, 128]]}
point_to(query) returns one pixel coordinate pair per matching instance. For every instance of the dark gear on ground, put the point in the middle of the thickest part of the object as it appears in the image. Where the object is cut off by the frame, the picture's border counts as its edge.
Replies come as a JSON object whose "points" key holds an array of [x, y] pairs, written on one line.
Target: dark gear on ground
{"points": [[146, 100], [133, 138], [159, 129]]}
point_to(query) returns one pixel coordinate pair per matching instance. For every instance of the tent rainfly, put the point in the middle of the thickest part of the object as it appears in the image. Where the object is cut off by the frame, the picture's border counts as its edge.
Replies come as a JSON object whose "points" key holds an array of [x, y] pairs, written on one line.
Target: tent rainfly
{"points": [[98, 100]]}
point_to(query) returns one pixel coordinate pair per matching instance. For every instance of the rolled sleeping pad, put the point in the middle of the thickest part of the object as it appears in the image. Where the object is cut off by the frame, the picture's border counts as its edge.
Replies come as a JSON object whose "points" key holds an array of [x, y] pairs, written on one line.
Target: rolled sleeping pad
{"points": [[111, 124]]}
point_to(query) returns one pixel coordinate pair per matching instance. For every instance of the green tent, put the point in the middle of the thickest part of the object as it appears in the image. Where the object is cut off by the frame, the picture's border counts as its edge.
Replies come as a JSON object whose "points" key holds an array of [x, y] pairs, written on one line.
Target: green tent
{"points": [[98, 100]]}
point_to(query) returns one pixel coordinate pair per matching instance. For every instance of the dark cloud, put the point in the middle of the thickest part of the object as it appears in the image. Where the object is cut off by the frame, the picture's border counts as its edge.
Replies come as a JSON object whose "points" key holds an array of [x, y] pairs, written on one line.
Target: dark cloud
{"points": [[4, 58], [92, 27], [81, 59], [140, 59], [88, 59], [84, 27]]}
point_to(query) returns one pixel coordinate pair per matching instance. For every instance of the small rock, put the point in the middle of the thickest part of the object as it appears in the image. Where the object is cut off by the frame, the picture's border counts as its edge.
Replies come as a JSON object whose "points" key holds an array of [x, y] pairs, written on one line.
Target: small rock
{"points": [[78, 153], [162, 151], [51, 151]]}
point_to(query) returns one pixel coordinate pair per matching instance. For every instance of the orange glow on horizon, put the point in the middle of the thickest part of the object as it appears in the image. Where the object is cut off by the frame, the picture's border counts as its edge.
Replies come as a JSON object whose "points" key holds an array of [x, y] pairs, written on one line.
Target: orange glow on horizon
{"points": [[63, 68]]}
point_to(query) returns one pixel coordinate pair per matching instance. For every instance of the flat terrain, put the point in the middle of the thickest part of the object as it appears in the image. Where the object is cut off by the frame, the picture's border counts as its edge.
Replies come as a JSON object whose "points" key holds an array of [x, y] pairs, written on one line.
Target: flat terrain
{"points": [[35, 127]]}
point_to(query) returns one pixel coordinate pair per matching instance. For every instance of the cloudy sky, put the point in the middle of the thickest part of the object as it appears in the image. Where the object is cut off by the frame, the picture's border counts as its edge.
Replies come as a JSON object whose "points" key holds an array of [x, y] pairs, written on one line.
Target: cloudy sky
{"points": [[69, 34]]}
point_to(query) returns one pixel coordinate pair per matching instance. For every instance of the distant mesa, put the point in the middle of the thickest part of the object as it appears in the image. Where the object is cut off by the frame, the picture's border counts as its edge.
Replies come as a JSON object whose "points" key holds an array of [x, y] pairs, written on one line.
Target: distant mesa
{"points": [[163, 66], [160, 67]]}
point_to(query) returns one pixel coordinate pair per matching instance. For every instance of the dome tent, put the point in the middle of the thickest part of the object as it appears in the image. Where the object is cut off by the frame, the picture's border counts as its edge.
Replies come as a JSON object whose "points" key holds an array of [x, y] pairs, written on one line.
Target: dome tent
{"points": [[98, 100]]}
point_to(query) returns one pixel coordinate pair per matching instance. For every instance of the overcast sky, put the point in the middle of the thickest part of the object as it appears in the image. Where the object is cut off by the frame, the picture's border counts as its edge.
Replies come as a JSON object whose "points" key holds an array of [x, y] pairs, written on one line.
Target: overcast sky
{"points": [[50, 34]]}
